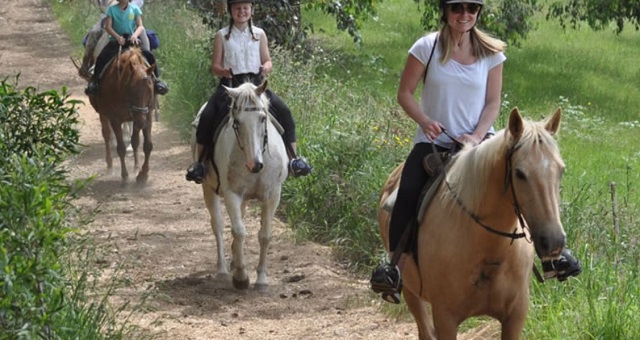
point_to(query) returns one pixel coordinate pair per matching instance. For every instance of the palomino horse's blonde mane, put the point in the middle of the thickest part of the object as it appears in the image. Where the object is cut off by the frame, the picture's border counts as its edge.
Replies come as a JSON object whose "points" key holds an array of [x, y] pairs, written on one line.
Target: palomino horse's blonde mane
{"points": [[470, 186]]}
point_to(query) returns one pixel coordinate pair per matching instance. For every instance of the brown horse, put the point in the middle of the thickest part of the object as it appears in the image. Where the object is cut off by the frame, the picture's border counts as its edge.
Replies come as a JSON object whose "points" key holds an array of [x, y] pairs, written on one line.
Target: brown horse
{"points": [[467, 265], [127, 94]]}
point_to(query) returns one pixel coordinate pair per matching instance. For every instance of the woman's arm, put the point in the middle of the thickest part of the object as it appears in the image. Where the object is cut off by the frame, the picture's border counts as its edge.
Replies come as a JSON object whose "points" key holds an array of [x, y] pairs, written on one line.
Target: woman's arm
{"points": [[217, 59], [491, 107], [112, 32], [139, 29], [411, 77], [265, 56]]}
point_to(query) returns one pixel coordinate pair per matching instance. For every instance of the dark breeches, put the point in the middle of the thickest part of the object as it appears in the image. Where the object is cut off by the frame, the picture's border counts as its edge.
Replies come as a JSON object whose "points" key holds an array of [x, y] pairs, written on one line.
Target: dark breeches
{"points": [[218, 107], [413, 180]]}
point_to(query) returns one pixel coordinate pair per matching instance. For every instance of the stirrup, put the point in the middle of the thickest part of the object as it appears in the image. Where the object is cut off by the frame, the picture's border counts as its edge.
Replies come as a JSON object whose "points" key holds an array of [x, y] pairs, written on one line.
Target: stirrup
{"points": [[92, 88], [195, 173], [391, 297], [386, 280], [160, 87], [562, 268], [299, 167]]}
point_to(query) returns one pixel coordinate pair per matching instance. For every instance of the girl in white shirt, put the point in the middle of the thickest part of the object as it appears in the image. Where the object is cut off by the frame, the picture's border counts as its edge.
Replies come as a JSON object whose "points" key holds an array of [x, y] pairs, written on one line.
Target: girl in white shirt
{"points": [[241, 53]]}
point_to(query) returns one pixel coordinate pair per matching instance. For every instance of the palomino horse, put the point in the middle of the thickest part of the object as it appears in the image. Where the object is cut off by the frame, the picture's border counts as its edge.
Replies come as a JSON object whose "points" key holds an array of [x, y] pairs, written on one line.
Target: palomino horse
{"points": [[127, 94], [250, 163], [469, 260]]}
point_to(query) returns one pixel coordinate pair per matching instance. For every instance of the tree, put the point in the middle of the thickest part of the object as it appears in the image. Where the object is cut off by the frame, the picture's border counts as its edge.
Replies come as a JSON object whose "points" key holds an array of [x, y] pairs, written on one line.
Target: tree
{"points": [[507, 19], [598, 14]]}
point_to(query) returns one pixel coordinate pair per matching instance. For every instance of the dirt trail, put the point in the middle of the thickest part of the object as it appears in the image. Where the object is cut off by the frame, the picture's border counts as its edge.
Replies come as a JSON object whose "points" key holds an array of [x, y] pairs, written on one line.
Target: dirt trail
{"points": [[160, 232]]}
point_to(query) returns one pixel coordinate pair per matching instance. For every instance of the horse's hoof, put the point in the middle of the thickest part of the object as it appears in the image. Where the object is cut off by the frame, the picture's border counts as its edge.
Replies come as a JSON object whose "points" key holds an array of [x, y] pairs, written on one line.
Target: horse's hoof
{"points": [[222, 277], [142, 179], [261, 287], [243, 285]]}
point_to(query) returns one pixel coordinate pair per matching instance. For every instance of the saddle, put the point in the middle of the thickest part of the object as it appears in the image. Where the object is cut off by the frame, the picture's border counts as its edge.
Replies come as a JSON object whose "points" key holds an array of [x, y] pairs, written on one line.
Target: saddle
{"points": [[434, 165]]}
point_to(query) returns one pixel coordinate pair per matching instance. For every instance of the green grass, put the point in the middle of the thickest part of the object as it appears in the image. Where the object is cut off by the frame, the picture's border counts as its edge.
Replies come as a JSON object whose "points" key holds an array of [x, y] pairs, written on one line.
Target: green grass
{"points": [[353, 132]]}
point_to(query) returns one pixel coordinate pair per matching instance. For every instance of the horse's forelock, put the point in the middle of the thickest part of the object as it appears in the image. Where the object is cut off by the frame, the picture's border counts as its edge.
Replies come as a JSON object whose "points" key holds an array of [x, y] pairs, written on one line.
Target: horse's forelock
{"points": [[131, 62], [248, 97]]}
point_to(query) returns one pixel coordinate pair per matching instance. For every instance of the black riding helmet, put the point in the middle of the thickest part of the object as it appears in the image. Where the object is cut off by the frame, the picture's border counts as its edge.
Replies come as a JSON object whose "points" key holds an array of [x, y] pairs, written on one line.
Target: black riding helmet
{"points": [[444, 3], [448, 2], [231, 2]]}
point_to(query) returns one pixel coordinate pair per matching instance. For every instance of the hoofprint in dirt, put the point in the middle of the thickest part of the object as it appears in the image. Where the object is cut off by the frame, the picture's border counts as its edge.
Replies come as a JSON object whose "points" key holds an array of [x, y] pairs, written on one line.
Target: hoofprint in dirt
{"points": [[160, 233]]}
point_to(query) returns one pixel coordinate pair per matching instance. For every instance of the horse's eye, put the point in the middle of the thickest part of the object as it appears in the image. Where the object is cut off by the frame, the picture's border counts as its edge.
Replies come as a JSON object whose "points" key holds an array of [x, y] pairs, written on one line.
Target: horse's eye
{"points": [[263, 119], [520, 174]]}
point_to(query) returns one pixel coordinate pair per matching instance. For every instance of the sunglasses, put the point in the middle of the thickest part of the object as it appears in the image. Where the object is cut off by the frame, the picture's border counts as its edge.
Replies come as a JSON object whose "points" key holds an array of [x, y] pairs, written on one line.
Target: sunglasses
{"points": [[461, 8]]}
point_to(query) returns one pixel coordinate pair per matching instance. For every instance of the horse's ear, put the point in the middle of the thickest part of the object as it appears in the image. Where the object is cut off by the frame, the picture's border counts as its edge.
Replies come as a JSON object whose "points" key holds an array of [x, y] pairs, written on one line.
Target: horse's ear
{"points": [[150, 69], [262, 87], [552, 124], [516, 126], [233, 92]]}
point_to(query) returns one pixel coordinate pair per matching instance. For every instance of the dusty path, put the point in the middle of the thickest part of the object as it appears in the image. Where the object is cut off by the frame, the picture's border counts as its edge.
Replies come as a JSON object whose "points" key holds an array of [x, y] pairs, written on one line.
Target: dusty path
{"points": [[160, 233]]}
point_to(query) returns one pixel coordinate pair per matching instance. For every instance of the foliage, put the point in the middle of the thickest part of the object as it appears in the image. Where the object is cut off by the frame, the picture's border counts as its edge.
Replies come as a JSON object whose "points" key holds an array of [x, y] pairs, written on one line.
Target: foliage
{"points": [[283, 21], [280, 18], [347, 141], [39, 296], [348, 14], [508, 20], [34, 122], [597, 14]]}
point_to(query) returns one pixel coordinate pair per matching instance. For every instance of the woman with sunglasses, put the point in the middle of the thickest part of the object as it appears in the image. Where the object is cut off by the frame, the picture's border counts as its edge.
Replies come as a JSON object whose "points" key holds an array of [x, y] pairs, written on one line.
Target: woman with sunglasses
{"points": [[460, 68]]}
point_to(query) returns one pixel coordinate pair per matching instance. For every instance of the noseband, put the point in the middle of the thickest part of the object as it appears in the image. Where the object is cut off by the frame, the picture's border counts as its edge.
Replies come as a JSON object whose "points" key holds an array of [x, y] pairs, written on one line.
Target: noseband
{"points": [[236, 127]]}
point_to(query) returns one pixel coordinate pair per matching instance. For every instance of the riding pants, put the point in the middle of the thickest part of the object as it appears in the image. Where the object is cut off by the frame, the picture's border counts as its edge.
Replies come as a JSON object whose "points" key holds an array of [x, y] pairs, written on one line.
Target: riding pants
{"points": [[413, 180], [218, 108]]}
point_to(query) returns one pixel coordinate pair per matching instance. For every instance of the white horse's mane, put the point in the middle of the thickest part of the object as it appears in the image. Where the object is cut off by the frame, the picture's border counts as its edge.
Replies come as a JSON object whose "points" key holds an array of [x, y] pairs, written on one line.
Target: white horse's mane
{"points": [[245, 96]]}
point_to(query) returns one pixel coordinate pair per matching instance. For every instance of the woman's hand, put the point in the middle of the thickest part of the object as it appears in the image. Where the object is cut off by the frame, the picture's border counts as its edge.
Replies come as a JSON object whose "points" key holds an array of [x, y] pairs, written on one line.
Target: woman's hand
{"points": [[120, 39], [134, 41], [469, 139], [431, 128], [266, 69], [227, 73]]}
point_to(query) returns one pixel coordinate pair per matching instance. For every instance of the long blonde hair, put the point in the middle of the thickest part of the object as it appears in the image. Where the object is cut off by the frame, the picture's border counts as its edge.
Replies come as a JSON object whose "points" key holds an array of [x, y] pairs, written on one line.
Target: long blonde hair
{"points": [[482, 44]]}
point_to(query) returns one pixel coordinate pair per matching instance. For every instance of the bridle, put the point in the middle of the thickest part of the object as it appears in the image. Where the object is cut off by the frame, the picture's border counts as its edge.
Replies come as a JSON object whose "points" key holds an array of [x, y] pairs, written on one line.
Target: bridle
{"points": [[134, 109], [236, 126], [508, 183]]}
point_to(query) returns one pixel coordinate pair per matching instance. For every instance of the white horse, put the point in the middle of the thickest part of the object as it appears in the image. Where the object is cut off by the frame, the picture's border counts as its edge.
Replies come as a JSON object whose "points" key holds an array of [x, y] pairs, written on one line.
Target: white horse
{"points": [[250, 163]]}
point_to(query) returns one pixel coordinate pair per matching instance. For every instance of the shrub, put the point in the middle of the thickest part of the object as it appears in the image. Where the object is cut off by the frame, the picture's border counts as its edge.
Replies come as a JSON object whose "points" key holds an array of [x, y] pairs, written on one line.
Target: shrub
{"points": [[39, 298]]}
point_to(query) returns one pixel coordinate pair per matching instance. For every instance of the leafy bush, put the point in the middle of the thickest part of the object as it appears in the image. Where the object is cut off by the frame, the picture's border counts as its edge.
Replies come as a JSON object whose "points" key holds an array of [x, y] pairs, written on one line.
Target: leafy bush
{"points": [[39, 298]]}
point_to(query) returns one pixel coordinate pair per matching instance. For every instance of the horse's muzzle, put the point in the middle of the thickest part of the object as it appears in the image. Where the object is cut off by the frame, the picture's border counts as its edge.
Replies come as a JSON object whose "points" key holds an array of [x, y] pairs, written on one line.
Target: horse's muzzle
{"points": [[549, 246], [256, 167]]}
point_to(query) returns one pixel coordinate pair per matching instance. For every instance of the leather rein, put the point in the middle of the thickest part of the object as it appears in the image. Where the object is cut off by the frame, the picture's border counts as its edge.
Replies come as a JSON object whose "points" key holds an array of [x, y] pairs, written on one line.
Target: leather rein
{"points": [[508, 183]]}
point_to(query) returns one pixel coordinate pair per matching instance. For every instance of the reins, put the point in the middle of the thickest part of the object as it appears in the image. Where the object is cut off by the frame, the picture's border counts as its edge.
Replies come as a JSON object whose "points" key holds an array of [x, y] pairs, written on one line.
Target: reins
{"points": [[132, 108], [508, 182]]}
